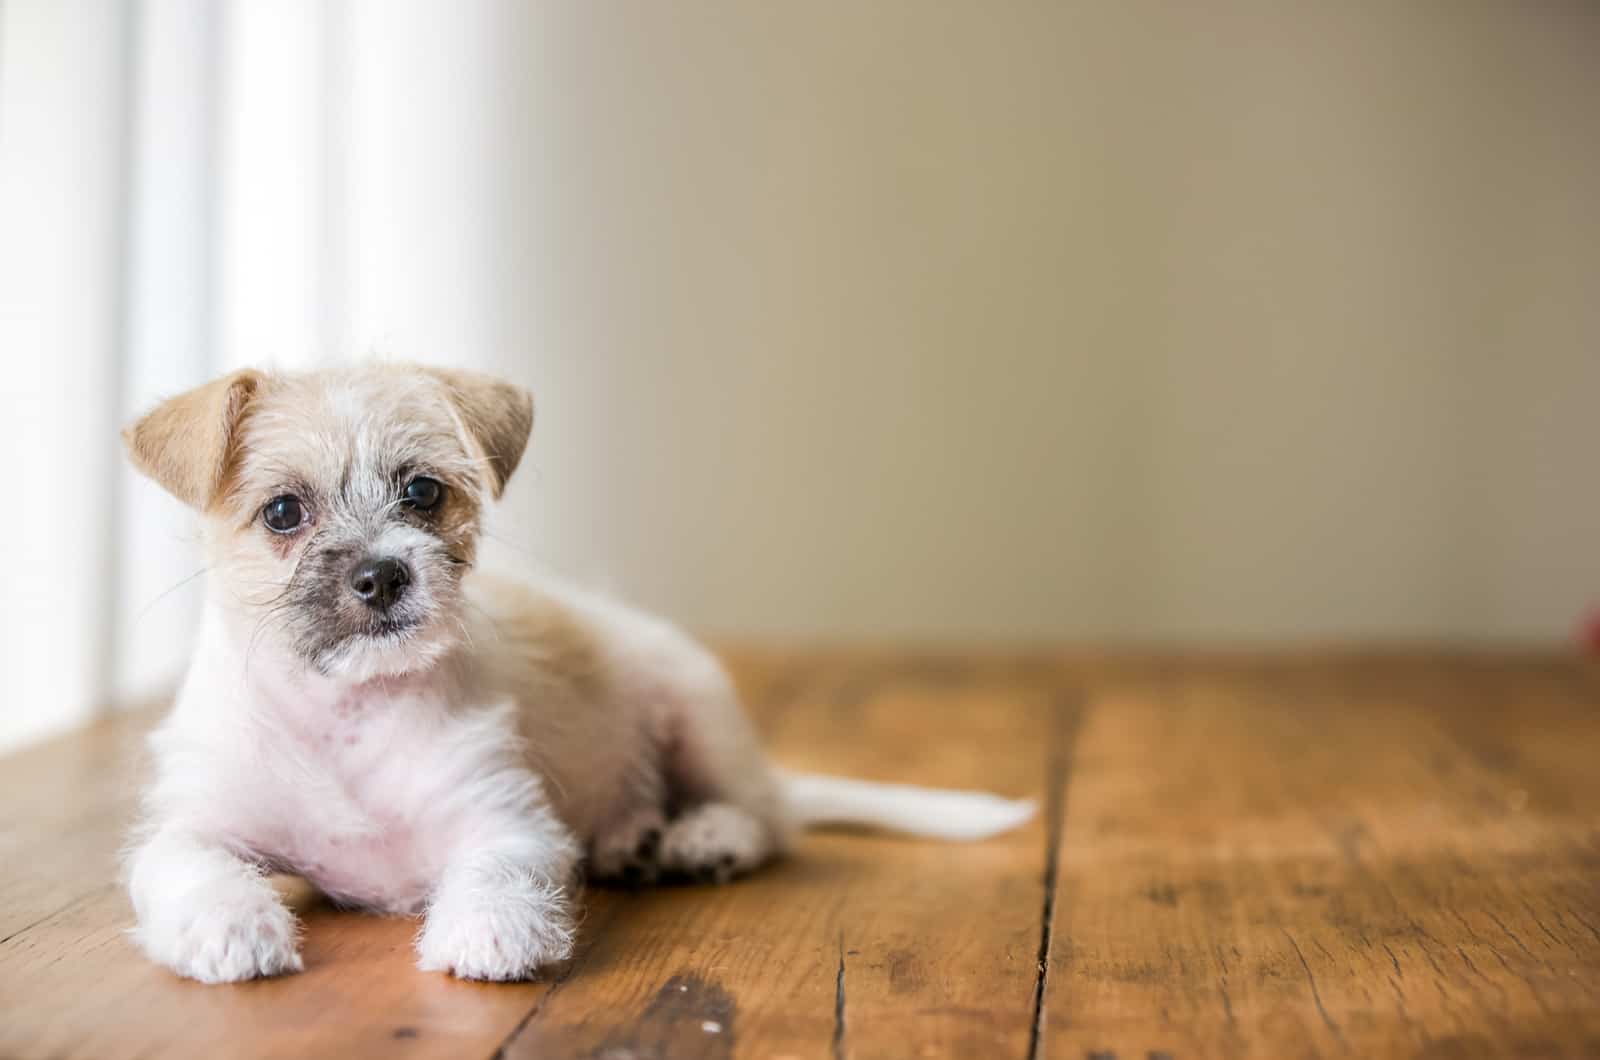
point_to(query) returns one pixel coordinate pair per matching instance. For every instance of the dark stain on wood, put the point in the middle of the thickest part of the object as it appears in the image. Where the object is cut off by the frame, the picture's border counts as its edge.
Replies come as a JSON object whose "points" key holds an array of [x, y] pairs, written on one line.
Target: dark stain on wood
{"points": [[906, 975], [1161, 894], [689, 1016]]}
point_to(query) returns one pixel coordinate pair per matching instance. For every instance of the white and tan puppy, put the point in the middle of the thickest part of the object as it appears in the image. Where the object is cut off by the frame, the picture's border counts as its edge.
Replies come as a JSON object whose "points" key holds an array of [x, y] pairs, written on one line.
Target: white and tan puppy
{"points": [[415, 738]]}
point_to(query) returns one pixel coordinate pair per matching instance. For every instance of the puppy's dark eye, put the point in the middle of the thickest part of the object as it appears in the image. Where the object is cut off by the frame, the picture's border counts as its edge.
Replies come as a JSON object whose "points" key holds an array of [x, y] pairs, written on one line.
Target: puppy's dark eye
{"points": [[283, 515], [423, 493]]}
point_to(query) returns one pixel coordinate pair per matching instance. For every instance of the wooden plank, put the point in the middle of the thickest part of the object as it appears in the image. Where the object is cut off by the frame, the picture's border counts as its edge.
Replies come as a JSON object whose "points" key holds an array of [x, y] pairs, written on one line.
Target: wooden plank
{"points": [[1370, 855], [64, 808], [859, 946], [1386, 860]]}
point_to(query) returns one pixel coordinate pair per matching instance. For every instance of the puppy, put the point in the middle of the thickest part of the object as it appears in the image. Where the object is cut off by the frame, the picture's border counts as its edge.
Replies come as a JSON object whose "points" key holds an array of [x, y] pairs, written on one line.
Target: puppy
{"points": [[415, 738]]}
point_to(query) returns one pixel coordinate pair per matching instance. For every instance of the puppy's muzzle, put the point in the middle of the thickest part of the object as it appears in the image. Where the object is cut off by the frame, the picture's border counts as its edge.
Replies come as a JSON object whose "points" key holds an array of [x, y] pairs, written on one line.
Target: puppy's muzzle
{"points": [[379, 583]]}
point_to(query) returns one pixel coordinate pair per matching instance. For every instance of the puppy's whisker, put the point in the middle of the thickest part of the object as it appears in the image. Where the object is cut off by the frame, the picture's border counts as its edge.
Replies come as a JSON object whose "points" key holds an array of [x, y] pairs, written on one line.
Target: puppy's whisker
{"points": [[275, 606], [168, 591], [511, 545], [266, 601], [258, 629], [281, 586], [494, 627]]}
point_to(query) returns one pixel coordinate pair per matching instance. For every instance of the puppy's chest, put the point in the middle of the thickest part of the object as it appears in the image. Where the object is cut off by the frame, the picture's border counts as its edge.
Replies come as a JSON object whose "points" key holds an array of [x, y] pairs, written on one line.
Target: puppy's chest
{"points": [[366, 813]]}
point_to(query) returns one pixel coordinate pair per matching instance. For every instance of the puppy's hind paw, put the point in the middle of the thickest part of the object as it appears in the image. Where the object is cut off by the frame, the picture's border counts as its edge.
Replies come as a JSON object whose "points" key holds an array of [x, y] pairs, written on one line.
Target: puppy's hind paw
{"points": [[497, 936], [713, 843], [627, 853], [228, 942]]}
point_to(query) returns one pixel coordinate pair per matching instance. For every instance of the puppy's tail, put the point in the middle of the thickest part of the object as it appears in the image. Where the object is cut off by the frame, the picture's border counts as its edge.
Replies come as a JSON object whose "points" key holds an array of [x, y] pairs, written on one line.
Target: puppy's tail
{"points": [[935, 812]]}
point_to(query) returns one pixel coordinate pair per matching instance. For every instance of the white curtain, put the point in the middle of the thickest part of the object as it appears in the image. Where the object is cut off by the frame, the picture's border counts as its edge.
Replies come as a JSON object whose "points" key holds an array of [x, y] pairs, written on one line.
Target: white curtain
{"points": [[177, 197]]}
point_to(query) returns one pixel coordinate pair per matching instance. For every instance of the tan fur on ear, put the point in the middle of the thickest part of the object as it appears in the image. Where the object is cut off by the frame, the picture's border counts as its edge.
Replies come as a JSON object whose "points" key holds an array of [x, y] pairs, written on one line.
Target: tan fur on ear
{"points": [[184, 443], [497, 417]]}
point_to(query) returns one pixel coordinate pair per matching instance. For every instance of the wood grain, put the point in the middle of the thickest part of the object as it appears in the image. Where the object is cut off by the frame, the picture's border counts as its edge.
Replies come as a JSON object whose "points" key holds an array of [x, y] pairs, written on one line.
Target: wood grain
{"points": [[1325, 861], [1334, 855], [63, 810]]}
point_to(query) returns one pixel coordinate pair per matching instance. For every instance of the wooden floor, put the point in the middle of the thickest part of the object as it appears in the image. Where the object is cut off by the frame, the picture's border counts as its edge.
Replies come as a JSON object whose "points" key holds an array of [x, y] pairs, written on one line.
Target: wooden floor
{"points": [[1360, 856]]}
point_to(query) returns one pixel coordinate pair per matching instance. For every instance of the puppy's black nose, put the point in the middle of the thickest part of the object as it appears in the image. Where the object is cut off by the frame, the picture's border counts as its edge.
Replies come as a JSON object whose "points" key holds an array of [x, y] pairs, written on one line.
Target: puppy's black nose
{"points": [[379, 582]]}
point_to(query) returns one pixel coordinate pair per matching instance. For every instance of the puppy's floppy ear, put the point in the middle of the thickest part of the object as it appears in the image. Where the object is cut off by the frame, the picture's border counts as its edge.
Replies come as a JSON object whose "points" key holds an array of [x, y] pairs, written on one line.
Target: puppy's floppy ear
{"points": [[185, 442], [496, 417]]}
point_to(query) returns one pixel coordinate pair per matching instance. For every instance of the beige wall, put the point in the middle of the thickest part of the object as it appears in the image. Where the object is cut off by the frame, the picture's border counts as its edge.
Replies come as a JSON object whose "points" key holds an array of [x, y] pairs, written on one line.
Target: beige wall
{"points": [[1059, 319]]}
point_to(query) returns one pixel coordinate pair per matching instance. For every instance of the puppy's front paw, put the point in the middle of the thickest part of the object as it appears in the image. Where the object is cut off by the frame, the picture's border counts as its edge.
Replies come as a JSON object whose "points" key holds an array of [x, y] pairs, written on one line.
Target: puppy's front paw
{"points": [[246, 936], [499, 934]]}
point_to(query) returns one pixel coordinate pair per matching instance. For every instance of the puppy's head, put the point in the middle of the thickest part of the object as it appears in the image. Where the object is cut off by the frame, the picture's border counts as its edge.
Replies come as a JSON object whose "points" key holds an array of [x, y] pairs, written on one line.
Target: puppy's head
{"points": [[341, 508]]}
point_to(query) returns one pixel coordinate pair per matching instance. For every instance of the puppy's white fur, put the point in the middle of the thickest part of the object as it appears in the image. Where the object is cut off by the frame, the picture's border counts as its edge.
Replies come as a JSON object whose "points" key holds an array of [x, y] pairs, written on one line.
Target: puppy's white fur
{"points": [[464, 765]]}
